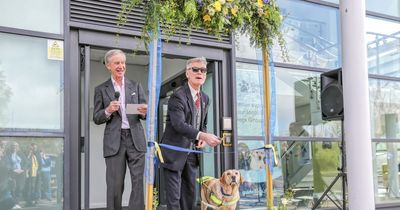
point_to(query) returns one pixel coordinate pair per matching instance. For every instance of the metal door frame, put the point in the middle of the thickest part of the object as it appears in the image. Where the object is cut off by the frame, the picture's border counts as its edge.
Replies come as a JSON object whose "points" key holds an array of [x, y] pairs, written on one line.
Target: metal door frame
{"points": [[88, 39]]}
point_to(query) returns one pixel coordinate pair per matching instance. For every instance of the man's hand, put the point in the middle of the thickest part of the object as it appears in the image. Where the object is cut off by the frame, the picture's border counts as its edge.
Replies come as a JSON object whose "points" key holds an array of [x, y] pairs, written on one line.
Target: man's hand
{"points": [[142, 109], [209, 138], [201, 144], [113, 106]]}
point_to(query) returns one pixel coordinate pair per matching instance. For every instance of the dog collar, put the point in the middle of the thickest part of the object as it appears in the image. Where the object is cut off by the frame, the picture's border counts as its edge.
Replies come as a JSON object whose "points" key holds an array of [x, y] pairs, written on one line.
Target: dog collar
{"points": [[223, 193]]}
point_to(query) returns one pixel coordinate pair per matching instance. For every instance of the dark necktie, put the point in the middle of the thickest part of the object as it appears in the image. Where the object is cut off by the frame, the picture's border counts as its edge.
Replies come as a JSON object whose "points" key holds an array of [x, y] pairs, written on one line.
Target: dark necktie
{"points": [[197, 102]]}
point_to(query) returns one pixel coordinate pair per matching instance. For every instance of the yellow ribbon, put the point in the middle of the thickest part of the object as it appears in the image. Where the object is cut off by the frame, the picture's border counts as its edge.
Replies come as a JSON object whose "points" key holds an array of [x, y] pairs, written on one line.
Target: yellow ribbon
{"points": [[158, 152], [270, 146]]}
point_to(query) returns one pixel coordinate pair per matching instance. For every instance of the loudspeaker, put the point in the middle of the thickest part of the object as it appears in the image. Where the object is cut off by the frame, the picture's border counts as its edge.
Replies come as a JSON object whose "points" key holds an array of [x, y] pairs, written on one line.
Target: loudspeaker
{"points": [[332, 95]]}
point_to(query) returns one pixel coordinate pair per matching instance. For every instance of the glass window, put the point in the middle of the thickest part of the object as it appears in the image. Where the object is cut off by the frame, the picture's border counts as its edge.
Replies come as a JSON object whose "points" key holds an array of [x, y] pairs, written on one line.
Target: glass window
{"points": [[209, 158], [31, 84], [383, 45], [249, 92], [386, 159], [390, 7], [298, 106], [244, 49], [385, 108], [252, 165], [312, 34], [301, 176], [31, 169], [38, 15]]}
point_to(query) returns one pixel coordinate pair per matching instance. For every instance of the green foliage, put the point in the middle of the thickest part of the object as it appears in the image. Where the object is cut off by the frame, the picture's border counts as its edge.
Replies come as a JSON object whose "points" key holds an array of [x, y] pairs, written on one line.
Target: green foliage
{"points": [[287, 197], [155, 198], [259, 19]]}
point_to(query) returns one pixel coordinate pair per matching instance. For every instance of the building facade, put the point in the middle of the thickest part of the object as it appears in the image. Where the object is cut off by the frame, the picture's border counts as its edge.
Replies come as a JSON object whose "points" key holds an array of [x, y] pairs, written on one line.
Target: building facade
{"points": [[51, 60]]}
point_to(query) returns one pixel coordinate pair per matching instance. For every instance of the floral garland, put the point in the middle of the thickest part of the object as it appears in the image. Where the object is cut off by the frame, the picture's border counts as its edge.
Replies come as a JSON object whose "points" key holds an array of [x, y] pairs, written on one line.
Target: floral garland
{"points": [[259, 19]]}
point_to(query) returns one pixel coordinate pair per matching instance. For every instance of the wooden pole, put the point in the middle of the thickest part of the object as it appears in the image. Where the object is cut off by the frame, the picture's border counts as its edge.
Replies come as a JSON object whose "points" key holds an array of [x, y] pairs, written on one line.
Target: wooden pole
{"points": [[267, 112]]}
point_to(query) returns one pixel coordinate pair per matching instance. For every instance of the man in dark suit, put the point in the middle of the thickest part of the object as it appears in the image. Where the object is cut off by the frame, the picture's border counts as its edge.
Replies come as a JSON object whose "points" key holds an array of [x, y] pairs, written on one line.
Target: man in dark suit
{"points": [[186, 127], [124, 141]]}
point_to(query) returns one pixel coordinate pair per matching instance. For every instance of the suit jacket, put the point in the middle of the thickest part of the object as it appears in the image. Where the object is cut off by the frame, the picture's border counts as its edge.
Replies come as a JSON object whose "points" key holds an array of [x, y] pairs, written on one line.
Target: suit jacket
{"points": [[103, 95], [179, 130]]}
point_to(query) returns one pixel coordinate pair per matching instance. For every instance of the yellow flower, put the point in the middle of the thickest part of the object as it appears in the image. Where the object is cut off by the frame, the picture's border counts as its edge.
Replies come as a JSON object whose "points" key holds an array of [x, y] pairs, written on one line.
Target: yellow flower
{"points": [[266, 14], [234, 11], [260, 3], [206, 18], [217, 6]]}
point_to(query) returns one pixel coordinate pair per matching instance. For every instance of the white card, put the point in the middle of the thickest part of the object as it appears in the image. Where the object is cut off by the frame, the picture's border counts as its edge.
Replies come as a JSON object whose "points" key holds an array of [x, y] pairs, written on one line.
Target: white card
{"points": [[132, 108]]}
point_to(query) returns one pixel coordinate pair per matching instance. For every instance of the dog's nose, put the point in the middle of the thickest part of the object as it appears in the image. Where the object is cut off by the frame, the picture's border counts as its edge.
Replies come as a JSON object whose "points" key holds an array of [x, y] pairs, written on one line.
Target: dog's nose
{"points": [[233, 178]]}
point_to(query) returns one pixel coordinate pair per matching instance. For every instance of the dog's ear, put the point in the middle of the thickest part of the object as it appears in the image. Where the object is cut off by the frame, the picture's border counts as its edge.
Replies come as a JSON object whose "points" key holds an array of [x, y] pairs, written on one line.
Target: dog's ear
{"points": [[223, 179], [241, 179]]}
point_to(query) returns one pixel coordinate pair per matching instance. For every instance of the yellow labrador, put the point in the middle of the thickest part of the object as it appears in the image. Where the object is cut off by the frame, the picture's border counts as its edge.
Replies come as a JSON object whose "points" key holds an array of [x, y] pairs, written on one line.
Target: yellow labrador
{"points": [[222, 193]]}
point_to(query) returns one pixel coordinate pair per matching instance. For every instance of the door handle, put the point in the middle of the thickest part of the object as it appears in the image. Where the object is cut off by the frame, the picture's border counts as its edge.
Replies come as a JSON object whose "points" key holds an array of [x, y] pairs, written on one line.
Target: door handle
{"points": [[227, 139]]}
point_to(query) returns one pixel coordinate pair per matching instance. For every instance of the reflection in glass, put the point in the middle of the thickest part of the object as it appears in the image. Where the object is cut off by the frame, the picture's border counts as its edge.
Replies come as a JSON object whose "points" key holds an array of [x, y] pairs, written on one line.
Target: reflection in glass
{"points": [[390, 7], [208, 169], [304, 171], [298, 106], [243, 48], [386, 171], [308, 168], [31, 85], [252, 165], [383, 45], [312, 38], [43, 15], [249, 90], [31, 172], [385, 108]]}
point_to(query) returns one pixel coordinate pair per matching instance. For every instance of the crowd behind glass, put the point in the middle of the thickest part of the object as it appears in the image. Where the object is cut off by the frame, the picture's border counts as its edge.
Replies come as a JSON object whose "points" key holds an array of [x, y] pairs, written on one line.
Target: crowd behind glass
{"points": [[29, 174]]}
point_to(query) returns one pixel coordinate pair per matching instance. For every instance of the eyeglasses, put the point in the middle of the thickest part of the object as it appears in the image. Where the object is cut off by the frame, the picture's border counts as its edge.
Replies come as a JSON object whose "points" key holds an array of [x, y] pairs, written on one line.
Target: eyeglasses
{"points": [[197, 69]]}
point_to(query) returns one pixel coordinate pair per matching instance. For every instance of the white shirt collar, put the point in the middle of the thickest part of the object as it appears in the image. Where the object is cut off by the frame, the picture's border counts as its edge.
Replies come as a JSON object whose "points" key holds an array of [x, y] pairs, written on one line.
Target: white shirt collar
{"points": [[115, 82], [193, 92]]}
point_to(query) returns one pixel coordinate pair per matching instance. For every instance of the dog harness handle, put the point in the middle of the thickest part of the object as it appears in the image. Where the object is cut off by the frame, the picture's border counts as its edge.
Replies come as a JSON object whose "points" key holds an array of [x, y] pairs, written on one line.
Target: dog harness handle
{"points": [[219, 202]]}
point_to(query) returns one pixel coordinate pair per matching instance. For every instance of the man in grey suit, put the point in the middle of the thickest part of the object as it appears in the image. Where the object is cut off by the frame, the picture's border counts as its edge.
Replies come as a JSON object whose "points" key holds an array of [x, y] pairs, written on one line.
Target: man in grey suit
{"points": [[124, 141], [186, 126]]}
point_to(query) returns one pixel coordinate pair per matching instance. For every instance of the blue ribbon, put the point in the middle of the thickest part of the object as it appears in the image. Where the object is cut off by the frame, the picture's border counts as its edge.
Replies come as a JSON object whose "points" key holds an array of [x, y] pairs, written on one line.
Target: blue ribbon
{"points": [[176, 148]]}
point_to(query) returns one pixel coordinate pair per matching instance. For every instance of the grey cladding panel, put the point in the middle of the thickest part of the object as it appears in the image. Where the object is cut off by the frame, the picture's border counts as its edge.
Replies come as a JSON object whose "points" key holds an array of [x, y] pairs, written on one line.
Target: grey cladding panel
{"points": [[104, 12]]}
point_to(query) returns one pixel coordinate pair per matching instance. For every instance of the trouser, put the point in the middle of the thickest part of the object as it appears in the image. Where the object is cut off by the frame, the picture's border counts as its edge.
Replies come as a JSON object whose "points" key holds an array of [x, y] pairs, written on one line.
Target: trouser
{"points": [[180, 185], [115, 174]]}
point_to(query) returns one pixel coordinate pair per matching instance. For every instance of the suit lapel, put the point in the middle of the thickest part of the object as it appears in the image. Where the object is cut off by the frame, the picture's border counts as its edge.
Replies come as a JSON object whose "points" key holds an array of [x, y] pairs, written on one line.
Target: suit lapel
{"points": [[129, 89], [189, 100], [111, 93], [110, 89]]}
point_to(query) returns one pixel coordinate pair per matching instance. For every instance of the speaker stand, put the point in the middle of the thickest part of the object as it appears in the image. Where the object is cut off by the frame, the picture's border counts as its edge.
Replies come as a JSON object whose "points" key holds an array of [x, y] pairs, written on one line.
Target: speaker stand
{"points": [[341, 174]]}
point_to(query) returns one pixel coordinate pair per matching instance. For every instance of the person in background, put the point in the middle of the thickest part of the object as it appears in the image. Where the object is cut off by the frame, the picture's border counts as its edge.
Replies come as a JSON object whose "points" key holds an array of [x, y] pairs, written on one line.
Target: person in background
{"points": [[186, 126], [17, 175], [124, 141], [7, 202], [32, 176], [45, 176]]}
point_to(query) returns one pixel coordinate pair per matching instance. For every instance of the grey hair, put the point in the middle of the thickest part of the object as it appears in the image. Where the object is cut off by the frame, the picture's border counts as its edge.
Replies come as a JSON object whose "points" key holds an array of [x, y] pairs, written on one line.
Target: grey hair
{"points": [[194, 60], [110, 54]]}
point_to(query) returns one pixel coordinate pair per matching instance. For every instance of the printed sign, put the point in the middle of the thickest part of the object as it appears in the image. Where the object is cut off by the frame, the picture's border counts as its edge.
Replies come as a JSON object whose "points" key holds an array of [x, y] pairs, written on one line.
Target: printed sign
{"points": [[55, 50]]}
